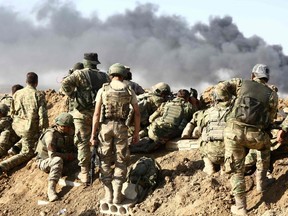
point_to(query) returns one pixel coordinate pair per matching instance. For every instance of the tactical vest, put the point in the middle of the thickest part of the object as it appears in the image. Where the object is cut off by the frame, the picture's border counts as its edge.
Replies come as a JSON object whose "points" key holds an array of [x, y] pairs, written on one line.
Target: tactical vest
{"points": [[116, 105], [41, 149], [252, 104], [214, 127], [174, 113], [85, 95]]}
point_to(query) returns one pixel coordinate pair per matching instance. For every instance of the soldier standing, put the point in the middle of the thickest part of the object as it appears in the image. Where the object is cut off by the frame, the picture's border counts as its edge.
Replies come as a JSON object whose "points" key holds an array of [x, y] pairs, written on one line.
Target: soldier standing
{"points": [[82, 85], [53, 150], [114, 100], [29, 119], [254, 109]]}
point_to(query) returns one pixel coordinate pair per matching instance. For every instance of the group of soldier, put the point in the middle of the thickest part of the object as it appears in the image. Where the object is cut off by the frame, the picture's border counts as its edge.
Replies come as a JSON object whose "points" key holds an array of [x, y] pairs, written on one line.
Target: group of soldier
{"points": [[110, 111]]}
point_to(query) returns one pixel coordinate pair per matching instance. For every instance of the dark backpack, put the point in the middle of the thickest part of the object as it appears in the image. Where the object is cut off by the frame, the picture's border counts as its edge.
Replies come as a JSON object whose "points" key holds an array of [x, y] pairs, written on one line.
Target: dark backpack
{"points": [[85, 97], [144, 174]]}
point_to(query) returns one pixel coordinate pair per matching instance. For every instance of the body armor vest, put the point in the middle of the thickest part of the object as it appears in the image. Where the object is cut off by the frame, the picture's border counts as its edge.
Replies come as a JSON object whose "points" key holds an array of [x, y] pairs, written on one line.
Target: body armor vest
{"points": [[251, 106], [173, 113], [213, 130], [116, 105]]}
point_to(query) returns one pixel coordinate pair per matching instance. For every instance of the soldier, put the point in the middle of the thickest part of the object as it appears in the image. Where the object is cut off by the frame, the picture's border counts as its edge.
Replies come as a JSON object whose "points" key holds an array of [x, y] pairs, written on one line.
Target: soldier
{"points": [[169, 120], [210, 127], [254, 109], [29, 119], [149, 102], [7, 99], [135, 86], [82, 85], [70, 100], [54, 149], [7, 134], [114, 100]]}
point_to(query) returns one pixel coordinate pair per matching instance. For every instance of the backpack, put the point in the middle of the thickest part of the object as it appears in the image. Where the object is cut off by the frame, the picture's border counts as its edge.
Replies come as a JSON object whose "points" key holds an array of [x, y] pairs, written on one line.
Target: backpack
{"points": [[85, 97], [144, 174]]}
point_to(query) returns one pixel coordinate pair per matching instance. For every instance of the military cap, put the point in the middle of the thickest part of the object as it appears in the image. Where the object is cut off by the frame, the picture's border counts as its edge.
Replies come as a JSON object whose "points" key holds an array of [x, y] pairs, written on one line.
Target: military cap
{"points": [[92, 57]]}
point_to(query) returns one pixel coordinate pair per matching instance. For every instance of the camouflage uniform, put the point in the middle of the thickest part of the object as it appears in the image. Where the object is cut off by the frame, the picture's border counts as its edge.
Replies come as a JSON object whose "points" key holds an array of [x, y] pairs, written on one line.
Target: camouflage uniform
{"points": [[113, 135], [52, 150], [8, 136], [30, 117], [113, 103], [212, 139], [7, 99], [241, 135], [83, 86], [54, 147], [135, 86], [148, 104], [173, 117]]}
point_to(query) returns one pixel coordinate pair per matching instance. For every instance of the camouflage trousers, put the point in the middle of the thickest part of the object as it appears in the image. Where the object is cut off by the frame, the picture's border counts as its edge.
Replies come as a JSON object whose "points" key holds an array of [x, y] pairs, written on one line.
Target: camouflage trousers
{"points": [[83, 128], [113, 149], [213, 150], [53, 166], [238, 140], [27, 152], [4, 147], [162, 132]]}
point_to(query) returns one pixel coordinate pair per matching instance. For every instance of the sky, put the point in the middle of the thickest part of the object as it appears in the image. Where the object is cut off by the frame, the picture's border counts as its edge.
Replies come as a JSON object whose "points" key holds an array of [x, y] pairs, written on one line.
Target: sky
{"points": [[185, 43]]}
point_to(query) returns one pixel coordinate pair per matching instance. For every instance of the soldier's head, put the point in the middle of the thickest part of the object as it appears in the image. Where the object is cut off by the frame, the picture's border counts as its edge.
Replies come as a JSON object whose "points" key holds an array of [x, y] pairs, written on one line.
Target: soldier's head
{"points": [[261, 71], [161, 89], [32, 79], [193, 93], [4, 109], [77, 66], [183, 93], [16, 88], [65, 122], [91, 60], [128, 74], [220, 93], [117, 70]]}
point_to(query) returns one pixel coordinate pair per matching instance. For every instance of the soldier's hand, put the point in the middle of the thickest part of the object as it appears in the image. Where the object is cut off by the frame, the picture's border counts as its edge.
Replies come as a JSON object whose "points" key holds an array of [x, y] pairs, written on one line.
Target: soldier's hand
{"points": [[135, 138], [280, 136], [93, 141]]}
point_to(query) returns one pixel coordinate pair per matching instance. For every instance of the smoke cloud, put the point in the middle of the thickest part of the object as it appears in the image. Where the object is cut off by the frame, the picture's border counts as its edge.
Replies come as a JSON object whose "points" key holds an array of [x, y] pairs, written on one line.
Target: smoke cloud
{"points": [[157, 48]]}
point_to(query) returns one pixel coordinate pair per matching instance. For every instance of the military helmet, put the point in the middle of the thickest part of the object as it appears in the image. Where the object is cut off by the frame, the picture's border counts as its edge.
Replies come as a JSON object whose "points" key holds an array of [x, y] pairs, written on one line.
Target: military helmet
{"points": [[261, 71], [118, 69], [220, 93], [64, 119], [4, 109], [161, 88]]}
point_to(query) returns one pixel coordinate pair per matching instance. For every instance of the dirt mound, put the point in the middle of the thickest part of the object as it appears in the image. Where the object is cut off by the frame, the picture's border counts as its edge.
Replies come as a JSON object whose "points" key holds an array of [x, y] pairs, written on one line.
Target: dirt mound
{"points": [[184, 189]]}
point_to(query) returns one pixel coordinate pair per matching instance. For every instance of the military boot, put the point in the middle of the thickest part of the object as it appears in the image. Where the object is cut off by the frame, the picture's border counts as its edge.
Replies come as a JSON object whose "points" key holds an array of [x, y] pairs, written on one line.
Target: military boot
{"points": [[262, 181], [208, 166], [52, 196], [108, 192], [118, 197], [240, 205], [84, 175]]}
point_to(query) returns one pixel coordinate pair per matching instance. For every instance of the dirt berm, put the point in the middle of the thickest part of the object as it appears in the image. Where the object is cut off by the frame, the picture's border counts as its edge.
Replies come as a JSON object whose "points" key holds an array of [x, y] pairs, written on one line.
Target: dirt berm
{"points": [[184, 189]]}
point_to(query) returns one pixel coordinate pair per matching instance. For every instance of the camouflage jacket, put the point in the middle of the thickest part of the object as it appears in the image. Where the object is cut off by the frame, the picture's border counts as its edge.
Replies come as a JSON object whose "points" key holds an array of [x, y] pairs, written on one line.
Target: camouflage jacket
{"points": [[29, 109]]}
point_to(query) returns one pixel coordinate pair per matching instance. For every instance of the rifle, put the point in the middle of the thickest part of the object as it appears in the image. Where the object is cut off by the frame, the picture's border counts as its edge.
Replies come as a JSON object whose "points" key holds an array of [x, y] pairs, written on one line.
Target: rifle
{"points": [[95, 160]]}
